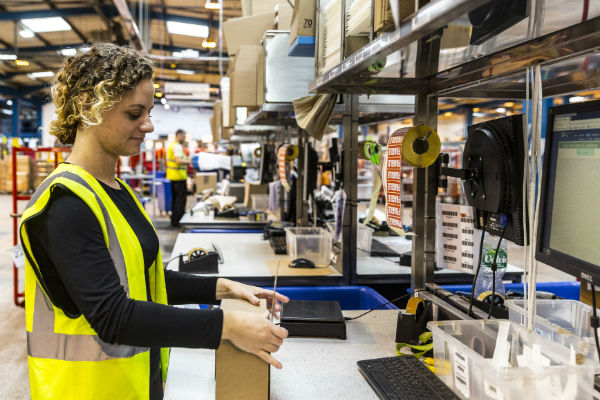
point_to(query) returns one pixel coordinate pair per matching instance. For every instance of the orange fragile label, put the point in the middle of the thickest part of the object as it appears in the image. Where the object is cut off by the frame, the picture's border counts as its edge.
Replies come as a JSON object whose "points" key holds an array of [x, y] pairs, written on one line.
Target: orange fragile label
{"points": [[281, 167], [393, 181]]}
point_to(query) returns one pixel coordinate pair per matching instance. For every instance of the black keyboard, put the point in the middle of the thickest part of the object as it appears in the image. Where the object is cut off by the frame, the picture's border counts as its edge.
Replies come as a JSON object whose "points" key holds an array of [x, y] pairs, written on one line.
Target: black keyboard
{"points": [[279, 244], [404, 377]]}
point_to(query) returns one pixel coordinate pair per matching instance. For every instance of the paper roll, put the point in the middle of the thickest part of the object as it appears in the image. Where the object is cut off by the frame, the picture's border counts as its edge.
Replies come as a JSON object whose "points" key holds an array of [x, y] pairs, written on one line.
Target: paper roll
{"points": [[393, 181]]}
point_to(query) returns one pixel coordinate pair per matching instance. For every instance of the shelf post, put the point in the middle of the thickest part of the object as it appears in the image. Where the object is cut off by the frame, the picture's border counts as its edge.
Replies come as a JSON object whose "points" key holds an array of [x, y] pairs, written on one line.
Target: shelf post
{"points": [[425, 179], [350, 184]]}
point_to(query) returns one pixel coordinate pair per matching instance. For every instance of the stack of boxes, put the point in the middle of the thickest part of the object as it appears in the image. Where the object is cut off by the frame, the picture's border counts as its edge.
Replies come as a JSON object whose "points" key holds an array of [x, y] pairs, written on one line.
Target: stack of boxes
{"points": [[43, 168], [24, 174]]}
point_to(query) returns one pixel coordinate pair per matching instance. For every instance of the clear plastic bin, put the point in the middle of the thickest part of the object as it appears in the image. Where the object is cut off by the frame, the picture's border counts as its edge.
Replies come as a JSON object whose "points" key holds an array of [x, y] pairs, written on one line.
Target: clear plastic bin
{"points": [[364, 236], [532, 366], [310, 243], [260, 202], [564, 321]]}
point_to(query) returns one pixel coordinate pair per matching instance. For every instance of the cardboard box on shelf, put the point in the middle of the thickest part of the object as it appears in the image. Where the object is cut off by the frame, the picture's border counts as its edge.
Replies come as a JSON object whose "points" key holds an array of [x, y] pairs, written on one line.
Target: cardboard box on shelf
{"points": [[255, 7], [205, 180], [246, 31], [253, 188], [246, 79], [303, 19], [240, 375], [283, 17], [24, 174]]}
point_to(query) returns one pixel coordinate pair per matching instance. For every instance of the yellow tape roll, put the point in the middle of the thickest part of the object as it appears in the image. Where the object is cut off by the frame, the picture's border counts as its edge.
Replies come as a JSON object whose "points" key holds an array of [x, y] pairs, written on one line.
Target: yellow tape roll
{"points": [[291, 152], [415, 306], [487, 297], [421, 146], [258, 152], [196, 252]]}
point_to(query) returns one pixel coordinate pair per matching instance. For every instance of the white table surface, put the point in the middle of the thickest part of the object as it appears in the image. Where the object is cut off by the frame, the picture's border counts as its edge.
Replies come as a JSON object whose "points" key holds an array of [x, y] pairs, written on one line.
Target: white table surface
{"points": [[367, 265], [245, 254], [313, 368]]}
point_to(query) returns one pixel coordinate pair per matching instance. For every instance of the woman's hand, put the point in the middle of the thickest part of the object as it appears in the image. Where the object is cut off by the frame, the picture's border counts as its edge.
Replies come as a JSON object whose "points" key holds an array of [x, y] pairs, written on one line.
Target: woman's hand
{"points": [[228, 289], [253, 333]]}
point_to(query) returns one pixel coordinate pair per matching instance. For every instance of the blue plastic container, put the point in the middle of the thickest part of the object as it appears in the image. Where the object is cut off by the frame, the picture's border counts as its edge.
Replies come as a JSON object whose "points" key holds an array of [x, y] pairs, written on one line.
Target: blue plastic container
{"points": [[350, 297], [163, 193], [566, 290]]}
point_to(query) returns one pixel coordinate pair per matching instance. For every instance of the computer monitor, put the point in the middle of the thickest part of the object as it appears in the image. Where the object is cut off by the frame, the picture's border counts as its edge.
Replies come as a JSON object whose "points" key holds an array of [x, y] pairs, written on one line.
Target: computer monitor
{"points": [[268, 164], [311, 170], [569, 221]]}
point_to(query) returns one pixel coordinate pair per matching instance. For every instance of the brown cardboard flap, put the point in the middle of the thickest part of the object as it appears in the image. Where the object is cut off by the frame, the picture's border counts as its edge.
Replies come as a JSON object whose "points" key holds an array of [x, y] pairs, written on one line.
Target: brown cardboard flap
{"points": [[284, 270], [246, 30], [240, 375], [245, 80], [283, 17], [303, 19]]}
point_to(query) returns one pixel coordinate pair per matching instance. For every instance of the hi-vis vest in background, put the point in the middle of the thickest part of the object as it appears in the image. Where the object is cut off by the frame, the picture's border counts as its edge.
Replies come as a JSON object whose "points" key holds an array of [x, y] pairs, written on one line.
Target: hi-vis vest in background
{"points": [[175, 172], [67, 359]]}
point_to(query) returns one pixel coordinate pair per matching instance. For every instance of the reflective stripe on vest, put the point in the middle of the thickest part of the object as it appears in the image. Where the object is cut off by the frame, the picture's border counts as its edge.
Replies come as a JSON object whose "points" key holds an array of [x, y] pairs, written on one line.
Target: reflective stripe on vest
{"points": [[56, 342], [175, 172]]}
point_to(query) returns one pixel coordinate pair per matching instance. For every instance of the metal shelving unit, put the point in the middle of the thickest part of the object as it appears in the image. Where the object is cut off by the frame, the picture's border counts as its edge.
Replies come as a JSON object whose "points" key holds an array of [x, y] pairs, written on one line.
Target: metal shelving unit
{"points": [[498, 72]]}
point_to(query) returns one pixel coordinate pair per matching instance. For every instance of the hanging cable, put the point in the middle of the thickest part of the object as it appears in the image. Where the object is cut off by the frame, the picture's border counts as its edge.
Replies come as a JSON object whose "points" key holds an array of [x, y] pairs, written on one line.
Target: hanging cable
{"points": [[594, 320], [477, 270], [494, 268]]}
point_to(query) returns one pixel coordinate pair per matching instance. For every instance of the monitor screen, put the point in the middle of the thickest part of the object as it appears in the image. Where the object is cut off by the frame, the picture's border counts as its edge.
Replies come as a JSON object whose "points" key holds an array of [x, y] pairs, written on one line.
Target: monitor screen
{"points": [[569, 221]]}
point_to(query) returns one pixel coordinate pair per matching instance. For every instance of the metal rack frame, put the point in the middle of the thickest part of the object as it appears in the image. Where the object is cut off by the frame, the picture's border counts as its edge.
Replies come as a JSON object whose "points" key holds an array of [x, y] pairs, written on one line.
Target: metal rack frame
{"points": [[500, 74]]}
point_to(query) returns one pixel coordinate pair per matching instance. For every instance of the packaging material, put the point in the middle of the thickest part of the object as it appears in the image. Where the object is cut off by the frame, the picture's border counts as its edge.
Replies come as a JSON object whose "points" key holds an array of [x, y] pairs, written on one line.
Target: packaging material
{"points": [[205, 180], [256, 7], [364, 238], [246, 30], [331, 47], [260, 202], [283, 17], [382, 16], [455, 36], [499, 359], [226, 99], [303, 19], [457, 239], [252, 189], [245, 78], [358, 18], [563, 321], [402, 9], [313, 113], [313, 244], [238, 374]]}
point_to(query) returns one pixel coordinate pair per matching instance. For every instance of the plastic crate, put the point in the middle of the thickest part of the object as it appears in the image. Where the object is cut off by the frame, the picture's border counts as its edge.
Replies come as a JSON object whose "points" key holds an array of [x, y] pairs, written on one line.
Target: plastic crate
{"points": [[310, 243], [464, 359], [163, 194], [563, 321], [260, 202]]}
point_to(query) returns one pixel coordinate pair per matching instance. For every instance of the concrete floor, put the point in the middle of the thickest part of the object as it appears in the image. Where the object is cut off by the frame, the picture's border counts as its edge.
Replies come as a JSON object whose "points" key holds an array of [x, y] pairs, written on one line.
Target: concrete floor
{"points": [[13, 358]]}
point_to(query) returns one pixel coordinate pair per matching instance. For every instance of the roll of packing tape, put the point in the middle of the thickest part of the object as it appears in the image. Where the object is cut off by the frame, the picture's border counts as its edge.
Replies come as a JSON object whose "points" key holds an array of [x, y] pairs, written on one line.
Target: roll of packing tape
{"points": [[258, 152], [421, 146], [196, 252], [415, 306], [281, 167], [486, 297], [392, 184], [291, 153]]}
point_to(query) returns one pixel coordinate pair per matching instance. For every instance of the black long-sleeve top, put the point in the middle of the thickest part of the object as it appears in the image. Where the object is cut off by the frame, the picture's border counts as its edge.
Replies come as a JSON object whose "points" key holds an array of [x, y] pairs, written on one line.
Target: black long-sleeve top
{"points": [[69, 247]]}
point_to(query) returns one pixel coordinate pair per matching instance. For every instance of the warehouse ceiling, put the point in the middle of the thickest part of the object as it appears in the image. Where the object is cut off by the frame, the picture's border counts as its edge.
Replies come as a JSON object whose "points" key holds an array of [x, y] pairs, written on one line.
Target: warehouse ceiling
{"points": [[31, 46]]}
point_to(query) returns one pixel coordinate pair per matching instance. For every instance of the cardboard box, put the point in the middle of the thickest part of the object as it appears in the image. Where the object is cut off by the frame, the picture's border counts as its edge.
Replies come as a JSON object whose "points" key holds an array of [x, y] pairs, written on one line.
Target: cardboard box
{"points": [[255, 7], [253, 188], [240, 375], [303, 20], [283, 17], [216, 121], [455, 36], [246, 30], [205, 180], [246, 79]]}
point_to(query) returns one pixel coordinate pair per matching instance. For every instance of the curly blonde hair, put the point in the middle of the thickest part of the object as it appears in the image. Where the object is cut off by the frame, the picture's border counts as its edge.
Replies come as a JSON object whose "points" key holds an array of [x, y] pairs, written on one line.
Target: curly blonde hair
{"points": [[90, 83]]}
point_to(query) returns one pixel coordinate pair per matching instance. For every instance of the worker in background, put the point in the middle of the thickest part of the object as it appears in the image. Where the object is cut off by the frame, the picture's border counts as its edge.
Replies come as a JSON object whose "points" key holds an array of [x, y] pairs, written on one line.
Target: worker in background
{"points": [[99, 314], [177, 164]]}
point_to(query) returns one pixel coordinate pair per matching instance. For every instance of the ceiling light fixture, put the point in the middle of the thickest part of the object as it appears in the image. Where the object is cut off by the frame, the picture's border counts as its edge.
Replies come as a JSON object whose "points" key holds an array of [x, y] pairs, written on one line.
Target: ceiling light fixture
{"points": [[509, 104], [26, 33], [476, 109], [42, 74], [213, 5], [183, 28], [68, 52], [166, 106], [576, 99], [9, 102], [51, 24], [184, 71], [447, 114], [21, 63], [163, 101], [158, 94], [156, 85], [209, 43], [501, 110], [187, 53], [8, 57]]}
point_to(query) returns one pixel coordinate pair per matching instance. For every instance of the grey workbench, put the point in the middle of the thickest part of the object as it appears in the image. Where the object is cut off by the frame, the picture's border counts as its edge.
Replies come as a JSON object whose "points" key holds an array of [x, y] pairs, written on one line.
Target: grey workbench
{"points": [[312, 368]]}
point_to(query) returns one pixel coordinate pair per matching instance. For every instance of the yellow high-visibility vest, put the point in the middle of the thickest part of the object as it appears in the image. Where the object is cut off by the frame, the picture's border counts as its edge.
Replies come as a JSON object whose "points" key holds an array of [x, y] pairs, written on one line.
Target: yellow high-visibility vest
{"points": [[67, 358], [175, 172]]}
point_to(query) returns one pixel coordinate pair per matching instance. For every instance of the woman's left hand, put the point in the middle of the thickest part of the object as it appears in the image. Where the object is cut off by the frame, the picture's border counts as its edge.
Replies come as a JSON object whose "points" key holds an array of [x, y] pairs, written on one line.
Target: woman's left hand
{"points": [[228, 289]]}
